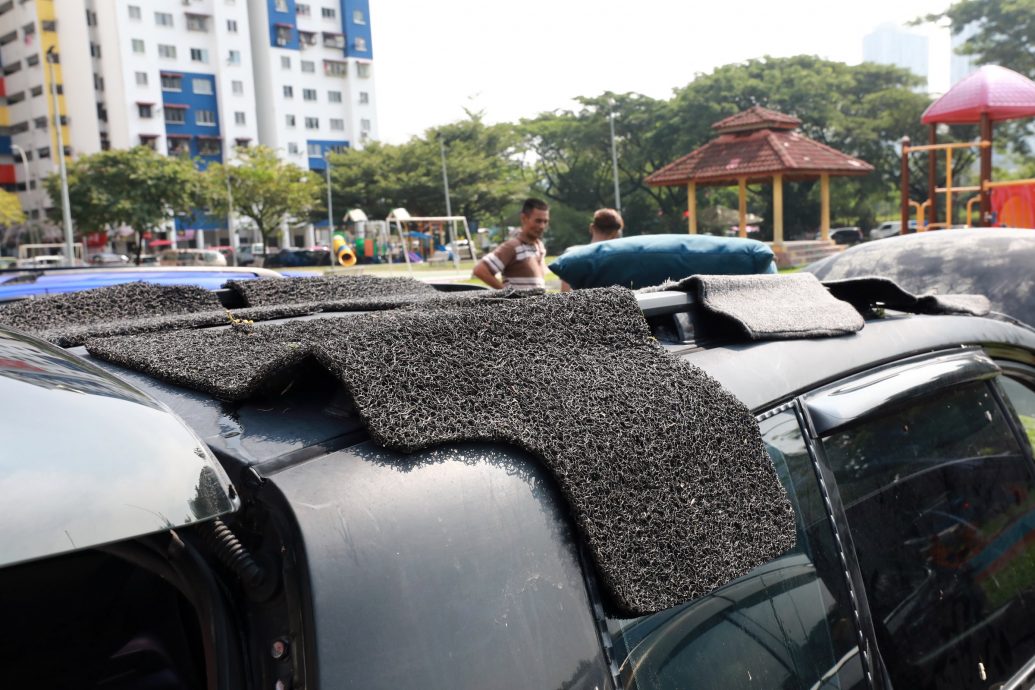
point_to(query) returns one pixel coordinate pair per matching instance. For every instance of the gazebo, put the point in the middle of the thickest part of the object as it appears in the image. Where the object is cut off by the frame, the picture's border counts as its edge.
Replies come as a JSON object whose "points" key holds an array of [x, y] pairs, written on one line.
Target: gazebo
{"points": [[759, 145]]}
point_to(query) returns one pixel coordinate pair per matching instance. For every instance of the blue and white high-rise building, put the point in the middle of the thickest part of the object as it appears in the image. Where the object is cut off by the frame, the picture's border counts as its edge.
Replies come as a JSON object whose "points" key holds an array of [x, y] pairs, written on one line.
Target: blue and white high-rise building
{"points": [[182, 76], [891, 44], [313, 76]]}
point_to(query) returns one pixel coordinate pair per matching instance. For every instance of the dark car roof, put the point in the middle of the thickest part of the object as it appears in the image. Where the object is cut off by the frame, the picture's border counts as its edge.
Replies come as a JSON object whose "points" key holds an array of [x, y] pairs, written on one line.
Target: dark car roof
{"points": [[994, 262]]}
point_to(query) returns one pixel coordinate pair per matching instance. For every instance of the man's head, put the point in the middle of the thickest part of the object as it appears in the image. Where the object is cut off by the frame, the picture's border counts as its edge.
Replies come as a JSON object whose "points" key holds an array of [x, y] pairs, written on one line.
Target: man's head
{"points": [[607, 225], [535, 217]]}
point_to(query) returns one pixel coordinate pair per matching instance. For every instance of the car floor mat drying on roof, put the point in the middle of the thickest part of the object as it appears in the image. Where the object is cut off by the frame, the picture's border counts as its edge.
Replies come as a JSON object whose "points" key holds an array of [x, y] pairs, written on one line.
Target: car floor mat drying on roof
{"points": [[768, 307], [69, 319], [664, 470], [870, 292]]}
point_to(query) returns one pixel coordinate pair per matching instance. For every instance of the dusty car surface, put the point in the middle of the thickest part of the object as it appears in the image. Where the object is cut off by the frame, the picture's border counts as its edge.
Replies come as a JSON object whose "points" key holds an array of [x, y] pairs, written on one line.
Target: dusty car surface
{"points": [[230, 506], [994, 262]]}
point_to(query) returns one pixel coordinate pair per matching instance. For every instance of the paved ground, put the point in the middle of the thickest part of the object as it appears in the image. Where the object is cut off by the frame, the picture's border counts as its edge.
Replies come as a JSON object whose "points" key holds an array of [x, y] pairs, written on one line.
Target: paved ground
{"points": [[430, 272]]}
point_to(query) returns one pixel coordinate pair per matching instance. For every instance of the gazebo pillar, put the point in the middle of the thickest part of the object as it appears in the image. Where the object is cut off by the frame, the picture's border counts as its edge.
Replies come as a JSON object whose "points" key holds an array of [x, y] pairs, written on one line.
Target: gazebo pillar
{"points": [[778, 210], [691, 206], [824, 207], [742, 206]]}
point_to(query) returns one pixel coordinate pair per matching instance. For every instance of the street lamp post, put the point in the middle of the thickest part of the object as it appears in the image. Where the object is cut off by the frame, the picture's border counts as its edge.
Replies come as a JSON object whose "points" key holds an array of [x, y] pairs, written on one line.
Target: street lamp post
{"points": [[66, 211], [25, 167], [330, 209], [614, 163], [445, 176], [235, 244]]}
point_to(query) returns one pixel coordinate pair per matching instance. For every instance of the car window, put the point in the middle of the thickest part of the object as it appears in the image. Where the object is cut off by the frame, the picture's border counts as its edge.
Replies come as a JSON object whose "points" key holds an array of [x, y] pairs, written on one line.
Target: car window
{"points": [[940, 501], [786, 624], [1022, 399]]}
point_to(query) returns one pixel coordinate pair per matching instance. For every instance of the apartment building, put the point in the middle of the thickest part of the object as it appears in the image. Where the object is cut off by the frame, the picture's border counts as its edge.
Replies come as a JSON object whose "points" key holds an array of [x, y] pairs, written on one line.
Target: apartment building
{"points": [[313, 76], [196, 77]]}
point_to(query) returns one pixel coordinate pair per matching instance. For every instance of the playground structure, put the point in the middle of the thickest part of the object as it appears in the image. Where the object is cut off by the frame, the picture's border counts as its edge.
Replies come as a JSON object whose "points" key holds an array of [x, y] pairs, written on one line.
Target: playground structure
{"points": [[991, 94], [399, 221]]}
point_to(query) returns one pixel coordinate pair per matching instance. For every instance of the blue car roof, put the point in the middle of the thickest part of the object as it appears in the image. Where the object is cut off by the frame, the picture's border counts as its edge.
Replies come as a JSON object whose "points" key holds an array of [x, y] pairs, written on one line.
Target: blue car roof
{"points": [[21, 284]]}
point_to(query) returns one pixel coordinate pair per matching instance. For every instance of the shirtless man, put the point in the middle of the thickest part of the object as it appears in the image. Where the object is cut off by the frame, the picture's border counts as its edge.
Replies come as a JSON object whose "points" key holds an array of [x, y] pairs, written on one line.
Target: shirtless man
{"points": [[520, 259]]}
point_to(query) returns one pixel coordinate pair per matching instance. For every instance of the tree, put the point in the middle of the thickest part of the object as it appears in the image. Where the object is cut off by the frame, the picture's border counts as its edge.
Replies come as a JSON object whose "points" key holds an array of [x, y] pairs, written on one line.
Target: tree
{"points": [[136, 187], [10, 209], [485, 174], [265, 189], [1002, 31]]}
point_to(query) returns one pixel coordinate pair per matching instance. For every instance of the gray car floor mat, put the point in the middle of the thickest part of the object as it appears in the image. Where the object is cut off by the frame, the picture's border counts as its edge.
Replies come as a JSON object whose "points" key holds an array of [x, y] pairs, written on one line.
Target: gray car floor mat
{"points": [[664, 470]]}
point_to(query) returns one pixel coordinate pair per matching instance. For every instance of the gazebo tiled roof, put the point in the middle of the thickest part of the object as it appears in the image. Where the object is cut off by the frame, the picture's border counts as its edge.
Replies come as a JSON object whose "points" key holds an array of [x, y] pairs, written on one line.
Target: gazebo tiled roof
{"points": [[756, 117], [757, 144]]}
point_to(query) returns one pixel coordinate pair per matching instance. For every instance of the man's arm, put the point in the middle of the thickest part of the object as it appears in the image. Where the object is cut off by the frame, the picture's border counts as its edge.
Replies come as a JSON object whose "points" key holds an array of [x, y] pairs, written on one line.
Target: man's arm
{"points": [[484, 273]]}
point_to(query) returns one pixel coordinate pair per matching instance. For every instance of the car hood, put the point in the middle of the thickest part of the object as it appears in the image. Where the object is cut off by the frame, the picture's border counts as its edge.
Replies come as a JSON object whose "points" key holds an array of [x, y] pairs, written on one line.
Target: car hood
{"points": [[86, 459]]}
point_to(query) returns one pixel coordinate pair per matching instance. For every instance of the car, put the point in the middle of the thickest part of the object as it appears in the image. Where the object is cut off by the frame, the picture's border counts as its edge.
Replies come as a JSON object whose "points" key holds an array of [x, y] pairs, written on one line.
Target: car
{"points": [[890, 228], [847, 235], [191, 257], [290, 258], [42, 261], [222, 509], [987, 261], [108, 259]]}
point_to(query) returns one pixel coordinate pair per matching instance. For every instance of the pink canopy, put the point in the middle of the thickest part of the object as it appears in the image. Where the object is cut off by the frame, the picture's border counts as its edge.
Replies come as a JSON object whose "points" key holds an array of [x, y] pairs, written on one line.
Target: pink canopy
{"points": [[1001, 93]]}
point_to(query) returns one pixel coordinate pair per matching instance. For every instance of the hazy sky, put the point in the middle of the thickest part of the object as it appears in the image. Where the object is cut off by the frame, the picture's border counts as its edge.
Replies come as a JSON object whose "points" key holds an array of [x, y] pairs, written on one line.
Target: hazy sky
{"points": [[517, 58]]}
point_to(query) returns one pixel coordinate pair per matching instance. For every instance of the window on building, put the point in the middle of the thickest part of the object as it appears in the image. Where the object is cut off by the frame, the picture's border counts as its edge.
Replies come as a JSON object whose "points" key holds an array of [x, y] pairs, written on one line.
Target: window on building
{"points": [[234, 57], [334, 96], [362, 70], [9, 37], [149, 140], [201, 85], [292, 148], [240, 118], [307, 38], [281, 6], [163, 19], [175, 116], [134, 12], [231, 26], [335, 68], [98, 82], [337, 123], [242, 142], [40, 122], [16, 98], [12, 68], [138, 45], [314, 150], [285, 62], [34, 59], [312, 123], [178, 146], [364, 98], [360, 44], [308, 66], [48, 25], [358, 17], [91, 18], [43, 152], [35, 91], [167, 51], [145, 110], [328, 12], [302, 10], [283, 35], [289, 91], [172, 82], [290, 120], [29, 30], [308, 94], [198, 22], [141, 78], [198, 55], [333, 40], [205, 117], [364, 125], [209, 147], [237, 87]]}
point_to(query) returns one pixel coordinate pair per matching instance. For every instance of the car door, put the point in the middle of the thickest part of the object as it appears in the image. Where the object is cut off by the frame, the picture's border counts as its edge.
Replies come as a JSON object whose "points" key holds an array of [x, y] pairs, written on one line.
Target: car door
{"points": [[932, 475]]}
